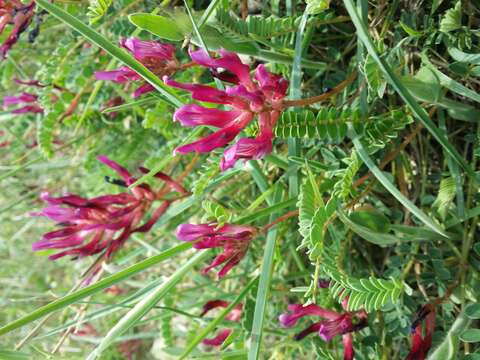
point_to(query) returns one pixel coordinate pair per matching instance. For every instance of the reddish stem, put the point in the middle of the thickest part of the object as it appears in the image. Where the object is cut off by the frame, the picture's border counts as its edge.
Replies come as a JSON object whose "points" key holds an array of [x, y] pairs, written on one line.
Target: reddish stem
{"points": [[280, 219], [318, 98]]}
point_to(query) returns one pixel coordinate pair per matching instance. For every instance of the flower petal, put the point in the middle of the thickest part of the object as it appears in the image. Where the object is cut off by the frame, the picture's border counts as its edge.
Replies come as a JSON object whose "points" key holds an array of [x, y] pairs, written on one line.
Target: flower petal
{"points": [[201, 92], [145, 88], [228, 60], [142, 49], [275, 86], [117, 167], [121, 75], [219, 339], [195, 115]]}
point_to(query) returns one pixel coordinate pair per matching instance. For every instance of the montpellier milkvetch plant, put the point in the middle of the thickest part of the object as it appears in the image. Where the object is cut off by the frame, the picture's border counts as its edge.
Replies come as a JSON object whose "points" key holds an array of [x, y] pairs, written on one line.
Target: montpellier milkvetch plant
{"points": [[331, 205]]}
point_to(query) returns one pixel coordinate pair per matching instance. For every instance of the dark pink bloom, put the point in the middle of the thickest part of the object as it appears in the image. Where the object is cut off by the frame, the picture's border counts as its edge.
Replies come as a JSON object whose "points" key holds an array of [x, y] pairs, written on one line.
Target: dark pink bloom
{"points": [[103, 223], [19, 16], [157, 57], [422, 344], [34, 83], [234, 239], [23, 98], [334, 324], [262, 96], [234, 315]]}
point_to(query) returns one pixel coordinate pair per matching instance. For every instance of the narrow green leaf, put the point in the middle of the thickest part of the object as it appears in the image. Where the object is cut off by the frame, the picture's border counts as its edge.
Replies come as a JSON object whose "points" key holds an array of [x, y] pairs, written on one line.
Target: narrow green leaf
{"points": [[448, 348], [146, 101], [461, 56], [391, 188], [473, 311], [417, 110], [377, 238], [94, 288], [158, 25], [470, 335], [211, 326], [113, 50], [146, 304]]}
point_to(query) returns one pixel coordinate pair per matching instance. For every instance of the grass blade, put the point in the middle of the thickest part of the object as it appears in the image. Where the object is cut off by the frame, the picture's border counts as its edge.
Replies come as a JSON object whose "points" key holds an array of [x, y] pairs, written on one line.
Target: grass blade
{"points": [[145, 305], [94, 288], [391, 188], [113, 50], [295, 93], [418, 111], [263, 288], [217, 320]]}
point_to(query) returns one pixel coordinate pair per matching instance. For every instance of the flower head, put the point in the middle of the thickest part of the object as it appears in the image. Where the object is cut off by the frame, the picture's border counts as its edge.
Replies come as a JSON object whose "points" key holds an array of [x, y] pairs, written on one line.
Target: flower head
{"points": [[157, 57], [262, 96], [422, 344], [103, 223], [234, 239], [24, 98], [334, 324], [234, 315], [17, 14]]}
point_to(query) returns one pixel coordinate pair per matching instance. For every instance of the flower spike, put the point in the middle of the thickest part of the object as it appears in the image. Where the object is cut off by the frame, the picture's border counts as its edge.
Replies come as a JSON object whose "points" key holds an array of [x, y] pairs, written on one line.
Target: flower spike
{"points": [[235, 240], [260, 96], [104, 223]]}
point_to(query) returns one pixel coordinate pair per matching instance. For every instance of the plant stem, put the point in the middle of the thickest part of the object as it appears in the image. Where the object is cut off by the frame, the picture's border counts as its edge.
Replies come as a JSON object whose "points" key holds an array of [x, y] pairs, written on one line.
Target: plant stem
{"points": [[322, 97]]}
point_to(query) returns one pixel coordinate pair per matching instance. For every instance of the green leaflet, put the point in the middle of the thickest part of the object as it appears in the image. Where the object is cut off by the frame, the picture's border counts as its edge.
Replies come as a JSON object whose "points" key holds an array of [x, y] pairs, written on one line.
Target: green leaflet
{"points": [[452, 19], [363, 293], [377, 238], [446, 194], [313, 215], [448, 348], [343, 186], [255, 27], [45, 135], [97, 9], [216, 212], [417, 110], [331, 125]]}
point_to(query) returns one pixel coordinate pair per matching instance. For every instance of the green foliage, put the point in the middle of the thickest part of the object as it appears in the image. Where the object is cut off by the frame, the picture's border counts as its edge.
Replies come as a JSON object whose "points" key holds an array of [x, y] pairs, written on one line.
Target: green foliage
{"points": [[313, 216], [97, 9], [328, 124], [452, 19], [380, 130], [367, 240], [216, 212], [363, 293], [255, 27], [343, 187], [446, 194]]}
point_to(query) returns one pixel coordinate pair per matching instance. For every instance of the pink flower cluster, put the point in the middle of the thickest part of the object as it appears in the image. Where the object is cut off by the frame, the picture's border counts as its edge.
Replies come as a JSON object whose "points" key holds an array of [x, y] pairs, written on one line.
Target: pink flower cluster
{"points": [[13, 12], [234, 315], [421, 344], [104, 223], [30, 101], [334, 324], [235, 240], [262, 96], [157, 57]]}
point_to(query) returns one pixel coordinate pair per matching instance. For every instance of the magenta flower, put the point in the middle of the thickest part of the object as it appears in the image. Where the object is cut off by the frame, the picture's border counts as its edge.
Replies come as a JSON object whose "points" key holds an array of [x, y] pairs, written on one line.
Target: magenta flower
{"points": [[262, 96], [17, 14], [234, 239], [422, 344], [334, 324], [157, 57], [234, 315], [103, 223], [23, 98]]}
